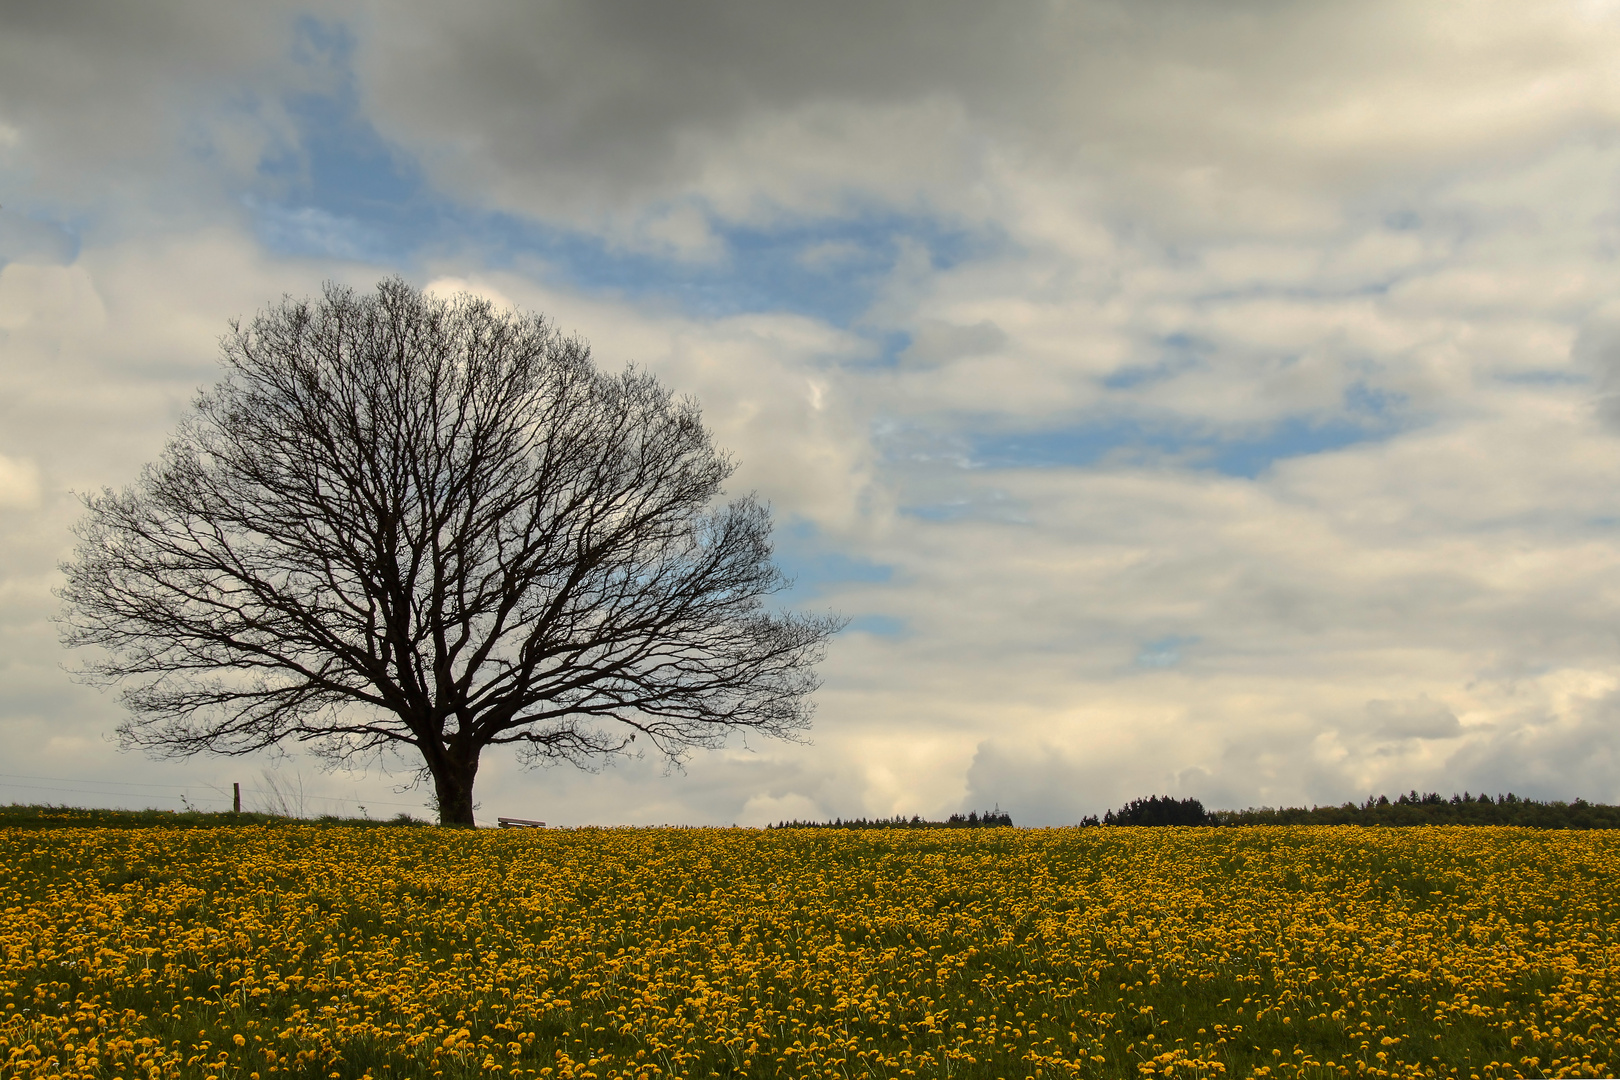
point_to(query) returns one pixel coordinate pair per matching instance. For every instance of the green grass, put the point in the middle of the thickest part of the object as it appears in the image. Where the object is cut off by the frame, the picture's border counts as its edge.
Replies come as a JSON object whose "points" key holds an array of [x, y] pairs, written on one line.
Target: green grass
{"points": [[40, 816]]}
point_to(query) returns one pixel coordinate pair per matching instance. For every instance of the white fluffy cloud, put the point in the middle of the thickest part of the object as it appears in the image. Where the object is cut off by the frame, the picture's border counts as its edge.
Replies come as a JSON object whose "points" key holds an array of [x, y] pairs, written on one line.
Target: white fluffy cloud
{"points": [[1213, 400]]}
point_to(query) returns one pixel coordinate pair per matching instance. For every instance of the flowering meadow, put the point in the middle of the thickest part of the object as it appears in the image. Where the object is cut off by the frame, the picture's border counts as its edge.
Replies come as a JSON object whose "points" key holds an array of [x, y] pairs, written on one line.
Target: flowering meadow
{"points": [[292, 951]]}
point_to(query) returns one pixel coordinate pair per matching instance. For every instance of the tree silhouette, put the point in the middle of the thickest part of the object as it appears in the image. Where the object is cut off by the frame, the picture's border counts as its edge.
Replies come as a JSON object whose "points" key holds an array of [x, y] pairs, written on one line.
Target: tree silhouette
{"points": [[431, 526]]}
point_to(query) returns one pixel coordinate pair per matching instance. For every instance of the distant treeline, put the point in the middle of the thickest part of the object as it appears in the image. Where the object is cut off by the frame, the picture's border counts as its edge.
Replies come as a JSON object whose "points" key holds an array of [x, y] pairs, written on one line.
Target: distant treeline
{"points": [[1409, 809], [990, 819], [1159, 810]]}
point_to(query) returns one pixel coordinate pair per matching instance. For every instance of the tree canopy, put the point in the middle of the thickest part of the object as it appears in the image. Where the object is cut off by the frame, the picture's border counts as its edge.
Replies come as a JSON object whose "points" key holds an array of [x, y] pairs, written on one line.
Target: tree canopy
{"points": [[428, 525]]}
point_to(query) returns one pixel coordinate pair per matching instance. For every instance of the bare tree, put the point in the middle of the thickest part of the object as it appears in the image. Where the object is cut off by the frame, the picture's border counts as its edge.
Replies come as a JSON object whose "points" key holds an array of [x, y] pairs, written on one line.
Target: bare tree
{"points": [[432, 526]]}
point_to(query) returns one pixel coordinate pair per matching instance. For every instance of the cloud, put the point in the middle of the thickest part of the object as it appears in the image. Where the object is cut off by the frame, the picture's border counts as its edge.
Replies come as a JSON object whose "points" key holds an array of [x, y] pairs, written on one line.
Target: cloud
{"points": [[19, 484], [1596, 353], [1418, 719], [682, 232], [1231, 120], [99, 98], [24, 239], [939, 342], [31, 293]]}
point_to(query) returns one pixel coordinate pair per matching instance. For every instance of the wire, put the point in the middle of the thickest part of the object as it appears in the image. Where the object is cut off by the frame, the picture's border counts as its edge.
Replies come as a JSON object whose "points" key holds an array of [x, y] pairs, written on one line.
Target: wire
{"points": [[335, 799], [85, 791], [81, 780], [5, 779]]}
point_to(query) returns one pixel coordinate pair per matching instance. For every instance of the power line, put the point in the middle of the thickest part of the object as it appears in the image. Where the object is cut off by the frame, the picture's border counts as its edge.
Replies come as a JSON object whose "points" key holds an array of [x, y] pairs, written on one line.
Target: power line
{"points": [[82, 780], [85, 791], [5, 779]]}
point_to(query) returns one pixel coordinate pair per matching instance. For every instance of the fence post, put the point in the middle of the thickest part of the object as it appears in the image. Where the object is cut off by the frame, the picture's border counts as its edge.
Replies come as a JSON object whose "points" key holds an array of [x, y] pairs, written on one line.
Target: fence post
{"points": [[236, 798]]}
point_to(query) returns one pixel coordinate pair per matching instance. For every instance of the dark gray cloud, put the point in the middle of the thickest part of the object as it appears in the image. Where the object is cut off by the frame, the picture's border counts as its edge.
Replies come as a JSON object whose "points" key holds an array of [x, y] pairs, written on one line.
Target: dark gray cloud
{"points": [[1417, 719], [577, 107], [577, 104], [1233, 114], [101, 100]]}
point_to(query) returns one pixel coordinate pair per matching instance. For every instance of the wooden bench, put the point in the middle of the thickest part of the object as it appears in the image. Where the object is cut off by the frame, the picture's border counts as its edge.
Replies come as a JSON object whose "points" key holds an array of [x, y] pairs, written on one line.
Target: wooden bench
{"points": [[519, 823]]}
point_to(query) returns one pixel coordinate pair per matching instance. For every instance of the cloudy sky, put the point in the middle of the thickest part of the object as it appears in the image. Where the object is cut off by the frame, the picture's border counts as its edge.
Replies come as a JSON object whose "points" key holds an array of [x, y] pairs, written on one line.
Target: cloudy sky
{"points": [[1216, 400]]}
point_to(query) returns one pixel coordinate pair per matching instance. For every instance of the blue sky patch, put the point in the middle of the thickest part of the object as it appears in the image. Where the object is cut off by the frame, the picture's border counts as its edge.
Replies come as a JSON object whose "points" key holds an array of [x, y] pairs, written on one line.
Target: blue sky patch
{"points": [[803, 554], [1178, 353], [344, 191], [1165, 652], [1239, 451], [1291, 438], [955, 510], [815, 572], [36, 238], [880, 625]]}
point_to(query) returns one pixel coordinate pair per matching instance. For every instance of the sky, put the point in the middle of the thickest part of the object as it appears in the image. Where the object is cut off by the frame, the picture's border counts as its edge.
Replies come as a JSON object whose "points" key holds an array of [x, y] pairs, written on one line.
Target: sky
{"points": [[1208, 400]]}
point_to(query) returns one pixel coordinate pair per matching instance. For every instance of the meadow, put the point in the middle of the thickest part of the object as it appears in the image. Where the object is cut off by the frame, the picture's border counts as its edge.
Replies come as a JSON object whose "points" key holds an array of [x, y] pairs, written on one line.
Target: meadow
{"points": [[278, 951]]}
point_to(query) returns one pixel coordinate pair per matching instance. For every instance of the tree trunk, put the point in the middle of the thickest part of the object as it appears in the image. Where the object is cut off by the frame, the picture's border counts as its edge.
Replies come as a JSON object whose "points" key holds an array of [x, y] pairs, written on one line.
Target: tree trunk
{"points": [[453, 776]]}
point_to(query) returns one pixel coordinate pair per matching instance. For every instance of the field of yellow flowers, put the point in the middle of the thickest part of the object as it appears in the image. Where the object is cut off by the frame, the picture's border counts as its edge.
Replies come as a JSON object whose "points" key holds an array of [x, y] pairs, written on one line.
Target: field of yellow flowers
{"points": [[288, 951]]}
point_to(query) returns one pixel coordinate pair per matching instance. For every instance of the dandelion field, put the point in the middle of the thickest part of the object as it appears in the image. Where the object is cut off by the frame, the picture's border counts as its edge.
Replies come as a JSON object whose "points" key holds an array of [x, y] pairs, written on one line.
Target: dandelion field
{"points": [[287, 951]]}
